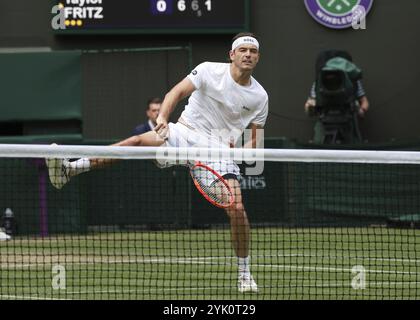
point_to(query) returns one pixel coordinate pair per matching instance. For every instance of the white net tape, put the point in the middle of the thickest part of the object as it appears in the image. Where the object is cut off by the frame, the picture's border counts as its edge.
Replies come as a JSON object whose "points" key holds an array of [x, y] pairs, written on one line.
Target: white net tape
{"points": [[203, 154]]}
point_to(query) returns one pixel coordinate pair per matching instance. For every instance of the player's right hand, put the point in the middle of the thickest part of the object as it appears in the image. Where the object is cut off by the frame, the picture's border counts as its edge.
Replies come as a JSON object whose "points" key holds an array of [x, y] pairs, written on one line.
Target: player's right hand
{"points": [[162, 127], [310, 103]]}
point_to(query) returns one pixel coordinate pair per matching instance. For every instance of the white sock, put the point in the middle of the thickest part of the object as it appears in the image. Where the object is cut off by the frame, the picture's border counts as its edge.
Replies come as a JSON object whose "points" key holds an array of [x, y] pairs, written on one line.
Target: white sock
{"points": [[243, 266], [79, 166]]}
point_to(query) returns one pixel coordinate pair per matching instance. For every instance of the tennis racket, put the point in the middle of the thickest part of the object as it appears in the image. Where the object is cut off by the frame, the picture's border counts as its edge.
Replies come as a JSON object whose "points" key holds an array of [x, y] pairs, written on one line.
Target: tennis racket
{"points": [[211, 185]]}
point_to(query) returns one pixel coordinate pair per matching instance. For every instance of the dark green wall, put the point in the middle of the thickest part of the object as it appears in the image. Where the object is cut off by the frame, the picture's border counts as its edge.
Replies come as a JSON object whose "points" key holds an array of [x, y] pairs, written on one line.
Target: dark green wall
{"points": [[40, 86], [113, 99]]}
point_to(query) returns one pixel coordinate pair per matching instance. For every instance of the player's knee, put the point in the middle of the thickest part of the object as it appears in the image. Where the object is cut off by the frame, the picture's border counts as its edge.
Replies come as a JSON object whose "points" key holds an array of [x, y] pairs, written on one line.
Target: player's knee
{"points": [[138, 140], [237, 211], [239, 207]]}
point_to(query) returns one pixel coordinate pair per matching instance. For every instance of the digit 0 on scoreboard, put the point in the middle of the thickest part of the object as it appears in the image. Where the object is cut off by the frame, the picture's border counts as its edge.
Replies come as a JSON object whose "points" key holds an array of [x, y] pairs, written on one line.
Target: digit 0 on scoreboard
{"points": [[153, 16]]}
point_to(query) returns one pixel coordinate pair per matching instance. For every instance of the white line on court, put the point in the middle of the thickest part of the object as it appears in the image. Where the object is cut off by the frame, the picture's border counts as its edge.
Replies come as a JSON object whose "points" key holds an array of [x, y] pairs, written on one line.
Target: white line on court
{"points": [[153, 290], [148, 260], [207, 261], [330, 269], [345, 257]]}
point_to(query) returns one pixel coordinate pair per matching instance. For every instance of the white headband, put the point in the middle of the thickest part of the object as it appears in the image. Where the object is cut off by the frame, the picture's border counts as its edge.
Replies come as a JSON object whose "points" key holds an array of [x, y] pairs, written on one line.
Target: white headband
{"points": [[245, 40]]}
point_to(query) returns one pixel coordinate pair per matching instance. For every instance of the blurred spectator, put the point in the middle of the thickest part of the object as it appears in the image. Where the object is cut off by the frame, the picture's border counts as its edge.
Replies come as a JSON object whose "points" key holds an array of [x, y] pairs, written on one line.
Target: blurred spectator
{"points": [[152, 112]]}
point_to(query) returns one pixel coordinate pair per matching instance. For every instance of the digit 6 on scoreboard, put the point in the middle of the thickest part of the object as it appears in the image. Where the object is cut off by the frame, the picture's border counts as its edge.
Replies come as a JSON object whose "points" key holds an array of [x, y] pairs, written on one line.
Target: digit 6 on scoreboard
{"points": [[194, 5], [181, 5]]}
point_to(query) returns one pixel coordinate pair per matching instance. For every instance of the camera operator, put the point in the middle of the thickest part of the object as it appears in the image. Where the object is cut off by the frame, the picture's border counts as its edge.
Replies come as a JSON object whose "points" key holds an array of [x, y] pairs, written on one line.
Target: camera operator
{"points": [[361, 97], [313, 107]]}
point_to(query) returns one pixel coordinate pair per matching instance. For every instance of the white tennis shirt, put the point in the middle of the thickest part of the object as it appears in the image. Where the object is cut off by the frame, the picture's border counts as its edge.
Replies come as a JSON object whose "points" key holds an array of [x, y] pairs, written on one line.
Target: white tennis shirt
{"points": [[219, 103]]}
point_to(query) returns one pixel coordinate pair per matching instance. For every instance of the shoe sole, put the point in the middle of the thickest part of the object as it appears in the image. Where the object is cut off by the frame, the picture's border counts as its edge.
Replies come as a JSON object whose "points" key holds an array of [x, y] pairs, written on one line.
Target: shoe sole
{"points": [[248, 289], [4, 236], [54, 166]]}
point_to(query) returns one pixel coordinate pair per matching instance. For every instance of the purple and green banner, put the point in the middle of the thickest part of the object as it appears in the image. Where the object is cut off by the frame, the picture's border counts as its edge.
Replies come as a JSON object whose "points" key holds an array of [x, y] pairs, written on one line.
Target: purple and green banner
{"points": [[338, 14]]}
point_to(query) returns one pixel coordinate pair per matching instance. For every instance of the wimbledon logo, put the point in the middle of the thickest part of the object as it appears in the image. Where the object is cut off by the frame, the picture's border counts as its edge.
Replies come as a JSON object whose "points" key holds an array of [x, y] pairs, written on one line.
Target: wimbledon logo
{"points": [[338, 14]]}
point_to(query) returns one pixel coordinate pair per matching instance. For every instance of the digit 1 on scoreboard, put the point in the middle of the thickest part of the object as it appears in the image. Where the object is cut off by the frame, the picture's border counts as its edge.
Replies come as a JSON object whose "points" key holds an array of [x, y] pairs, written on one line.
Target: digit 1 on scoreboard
{"points": [[208, 5]]}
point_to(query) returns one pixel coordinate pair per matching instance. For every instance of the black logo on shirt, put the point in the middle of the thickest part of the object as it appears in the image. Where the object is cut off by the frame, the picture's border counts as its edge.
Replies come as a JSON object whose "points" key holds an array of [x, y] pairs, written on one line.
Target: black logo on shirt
{"points": [[194, 73], [246, 108]]}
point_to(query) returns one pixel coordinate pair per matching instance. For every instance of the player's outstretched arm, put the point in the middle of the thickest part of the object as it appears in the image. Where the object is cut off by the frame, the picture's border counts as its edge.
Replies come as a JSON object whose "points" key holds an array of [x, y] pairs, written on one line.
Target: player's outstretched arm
{"points": [[182, 90]]}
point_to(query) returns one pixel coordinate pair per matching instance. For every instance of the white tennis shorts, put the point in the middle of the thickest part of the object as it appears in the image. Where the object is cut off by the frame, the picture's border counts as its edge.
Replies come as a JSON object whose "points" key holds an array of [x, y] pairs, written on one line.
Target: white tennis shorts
{"points": [[181, 136]]}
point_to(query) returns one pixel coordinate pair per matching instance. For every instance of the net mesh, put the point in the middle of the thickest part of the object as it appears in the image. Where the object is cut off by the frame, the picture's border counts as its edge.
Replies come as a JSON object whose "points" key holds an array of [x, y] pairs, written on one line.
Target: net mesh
{"points": [[322, 225]]}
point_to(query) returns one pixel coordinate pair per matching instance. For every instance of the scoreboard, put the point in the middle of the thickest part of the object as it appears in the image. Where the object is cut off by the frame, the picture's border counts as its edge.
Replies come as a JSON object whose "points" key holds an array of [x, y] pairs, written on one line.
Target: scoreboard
{"points": [[153, 16]]}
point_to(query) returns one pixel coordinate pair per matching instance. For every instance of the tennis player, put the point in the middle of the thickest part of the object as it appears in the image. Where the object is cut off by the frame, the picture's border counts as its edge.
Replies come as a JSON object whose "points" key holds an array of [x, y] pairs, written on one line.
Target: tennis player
{"points": [[224, 97]]}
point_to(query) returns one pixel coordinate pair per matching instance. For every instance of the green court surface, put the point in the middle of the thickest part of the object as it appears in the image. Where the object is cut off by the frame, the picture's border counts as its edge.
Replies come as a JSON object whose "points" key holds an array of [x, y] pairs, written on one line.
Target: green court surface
{"points": [[287, 263]]}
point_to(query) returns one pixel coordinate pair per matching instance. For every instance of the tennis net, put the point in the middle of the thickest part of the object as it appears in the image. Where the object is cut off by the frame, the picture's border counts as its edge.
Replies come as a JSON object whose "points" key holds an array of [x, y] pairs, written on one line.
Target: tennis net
{"points": [[324, 224]]}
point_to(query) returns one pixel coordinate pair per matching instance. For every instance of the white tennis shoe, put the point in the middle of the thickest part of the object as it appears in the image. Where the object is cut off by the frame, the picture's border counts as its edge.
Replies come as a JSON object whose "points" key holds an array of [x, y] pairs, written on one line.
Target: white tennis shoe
{"points": [[246, 283], [58, 171], [4, 236]]}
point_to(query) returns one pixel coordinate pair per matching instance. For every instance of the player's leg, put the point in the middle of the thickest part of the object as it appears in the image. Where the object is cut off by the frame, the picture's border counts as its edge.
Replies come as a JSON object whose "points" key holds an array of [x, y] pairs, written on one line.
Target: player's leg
{"points": [[148, 139], [239, 221], [61, 170], [240, 233]]}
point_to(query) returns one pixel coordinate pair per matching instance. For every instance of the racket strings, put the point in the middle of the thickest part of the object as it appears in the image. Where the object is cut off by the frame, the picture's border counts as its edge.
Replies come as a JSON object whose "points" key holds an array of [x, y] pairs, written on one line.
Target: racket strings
{"points": [[212, 185]]}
